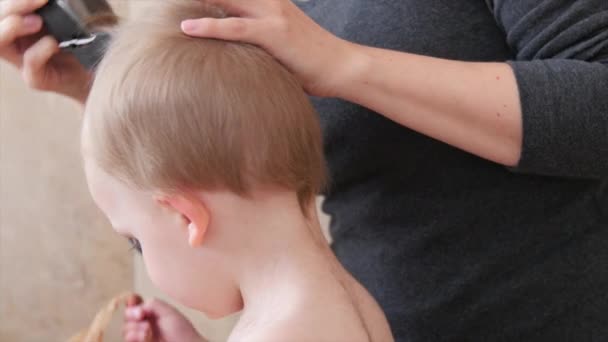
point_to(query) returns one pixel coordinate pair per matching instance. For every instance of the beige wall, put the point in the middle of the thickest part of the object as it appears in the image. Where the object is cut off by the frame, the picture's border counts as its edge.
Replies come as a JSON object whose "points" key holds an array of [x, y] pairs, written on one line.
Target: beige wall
{"points": [[59, 259]]}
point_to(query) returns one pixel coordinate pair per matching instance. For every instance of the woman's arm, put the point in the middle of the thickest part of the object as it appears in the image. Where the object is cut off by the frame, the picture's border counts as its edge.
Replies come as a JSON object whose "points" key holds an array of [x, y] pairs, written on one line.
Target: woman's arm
{"points": [[546, 112], [472, 106]]}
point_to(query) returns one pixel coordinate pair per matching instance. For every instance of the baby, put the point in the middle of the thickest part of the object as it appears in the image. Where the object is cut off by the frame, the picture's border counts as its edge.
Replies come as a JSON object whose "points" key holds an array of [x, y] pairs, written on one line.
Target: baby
{"points": [[207, 156]]}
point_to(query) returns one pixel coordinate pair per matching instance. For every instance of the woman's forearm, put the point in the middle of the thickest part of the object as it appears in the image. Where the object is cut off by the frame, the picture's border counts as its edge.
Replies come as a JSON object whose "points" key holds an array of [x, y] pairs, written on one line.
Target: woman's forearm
{"points": [[472, 106]]}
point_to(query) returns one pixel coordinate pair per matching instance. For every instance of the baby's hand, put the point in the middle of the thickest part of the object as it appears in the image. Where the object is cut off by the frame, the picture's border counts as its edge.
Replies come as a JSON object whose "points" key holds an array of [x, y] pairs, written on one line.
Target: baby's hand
{"points": [[156, 321]]}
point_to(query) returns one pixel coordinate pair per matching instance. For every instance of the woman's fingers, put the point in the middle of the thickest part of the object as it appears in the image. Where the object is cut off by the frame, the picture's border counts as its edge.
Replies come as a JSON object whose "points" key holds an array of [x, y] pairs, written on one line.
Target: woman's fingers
{"points": [[35, 61], [14, 26], [19, 7], [17, 22], [14, 29], [312, 53], [240, 29], [23, 44]]}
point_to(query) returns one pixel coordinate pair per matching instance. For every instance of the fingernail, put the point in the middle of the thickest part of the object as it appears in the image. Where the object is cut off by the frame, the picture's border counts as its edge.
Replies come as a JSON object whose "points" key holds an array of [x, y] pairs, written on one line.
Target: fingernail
{"points": [[189, 25], [32, 21]]}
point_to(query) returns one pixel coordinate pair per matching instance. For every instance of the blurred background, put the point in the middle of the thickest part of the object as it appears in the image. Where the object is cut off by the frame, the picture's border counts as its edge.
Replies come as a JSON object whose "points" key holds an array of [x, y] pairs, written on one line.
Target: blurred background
{"points": [[60, 261]]}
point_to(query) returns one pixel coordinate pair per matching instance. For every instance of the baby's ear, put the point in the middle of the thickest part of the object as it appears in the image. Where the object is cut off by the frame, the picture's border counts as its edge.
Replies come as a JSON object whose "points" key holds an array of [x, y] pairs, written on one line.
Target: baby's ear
{"points": [[194, 212]]}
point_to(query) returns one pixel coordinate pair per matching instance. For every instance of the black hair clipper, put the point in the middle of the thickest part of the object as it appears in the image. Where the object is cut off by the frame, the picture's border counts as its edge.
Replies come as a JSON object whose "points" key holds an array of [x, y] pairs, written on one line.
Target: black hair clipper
{"points": [[67, 21]]}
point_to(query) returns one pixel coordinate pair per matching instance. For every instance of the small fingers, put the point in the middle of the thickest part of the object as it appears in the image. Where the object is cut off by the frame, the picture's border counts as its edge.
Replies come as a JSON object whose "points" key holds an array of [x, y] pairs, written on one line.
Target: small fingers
{"points": [[137, 331], [36, 59], [239, 29], [19, 7], [134, 300], [134, 336], [145, 331], [134, 313]]}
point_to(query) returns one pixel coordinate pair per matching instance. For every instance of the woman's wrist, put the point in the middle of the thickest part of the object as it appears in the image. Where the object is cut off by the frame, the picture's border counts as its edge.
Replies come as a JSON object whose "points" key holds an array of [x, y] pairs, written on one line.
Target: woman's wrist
{"points": [[350, 71]]}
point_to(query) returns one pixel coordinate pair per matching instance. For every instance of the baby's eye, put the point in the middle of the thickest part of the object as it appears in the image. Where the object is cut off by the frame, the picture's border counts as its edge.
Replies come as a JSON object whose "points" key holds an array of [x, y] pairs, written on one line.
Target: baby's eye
{"points": [[135, 245]]}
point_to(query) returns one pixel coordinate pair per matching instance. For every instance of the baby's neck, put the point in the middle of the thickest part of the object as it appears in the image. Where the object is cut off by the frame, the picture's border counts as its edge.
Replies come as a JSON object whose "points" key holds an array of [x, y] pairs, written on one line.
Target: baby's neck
{"points": [[295, 287]]}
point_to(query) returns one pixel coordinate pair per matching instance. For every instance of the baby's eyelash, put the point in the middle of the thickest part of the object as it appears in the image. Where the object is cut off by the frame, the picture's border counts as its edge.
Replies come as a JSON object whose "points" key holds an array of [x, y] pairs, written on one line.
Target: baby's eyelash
{"points": [[135, 245]]}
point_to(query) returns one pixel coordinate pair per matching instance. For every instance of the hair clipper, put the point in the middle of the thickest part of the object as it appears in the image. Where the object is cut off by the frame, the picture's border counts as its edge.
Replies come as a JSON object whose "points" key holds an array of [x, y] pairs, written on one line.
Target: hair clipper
{"points": [[67, 21]]}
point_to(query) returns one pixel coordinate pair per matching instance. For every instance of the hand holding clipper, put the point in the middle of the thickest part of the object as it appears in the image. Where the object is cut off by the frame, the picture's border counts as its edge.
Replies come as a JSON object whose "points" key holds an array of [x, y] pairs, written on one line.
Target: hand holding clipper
{"points": [[27, 43], [68, 21]]}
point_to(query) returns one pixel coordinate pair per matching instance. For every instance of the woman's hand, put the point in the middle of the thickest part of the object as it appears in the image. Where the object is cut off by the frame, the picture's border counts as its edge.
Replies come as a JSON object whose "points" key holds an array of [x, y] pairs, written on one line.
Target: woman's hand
{"points": [[319, 59], [157, 321], [472, 106], [37, 56]]}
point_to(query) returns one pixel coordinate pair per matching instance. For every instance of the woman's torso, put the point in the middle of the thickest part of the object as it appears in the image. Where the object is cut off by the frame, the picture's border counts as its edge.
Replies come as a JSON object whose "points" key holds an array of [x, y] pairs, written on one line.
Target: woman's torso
{"points": [[454, 247]]}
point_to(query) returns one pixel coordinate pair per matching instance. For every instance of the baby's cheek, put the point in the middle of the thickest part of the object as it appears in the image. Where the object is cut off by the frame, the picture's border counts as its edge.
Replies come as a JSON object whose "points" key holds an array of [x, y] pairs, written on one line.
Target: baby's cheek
{"points": [[164, 274], [155, 268]]}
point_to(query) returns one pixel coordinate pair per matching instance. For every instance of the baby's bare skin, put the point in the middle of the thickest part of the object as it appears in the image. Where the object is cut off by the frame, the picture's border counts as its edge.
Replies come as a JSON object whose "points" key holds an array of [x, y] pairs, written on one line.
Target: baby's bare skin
{"points": [[315, 301], [305, 295]]}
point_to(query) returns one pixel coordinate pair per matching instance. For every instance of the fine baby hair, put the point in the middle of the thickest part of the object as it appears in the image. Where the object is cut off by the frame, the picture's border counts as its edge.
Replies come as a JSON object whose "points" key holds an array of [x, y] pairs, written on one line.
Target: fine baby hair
{"points": [[167, 111]]}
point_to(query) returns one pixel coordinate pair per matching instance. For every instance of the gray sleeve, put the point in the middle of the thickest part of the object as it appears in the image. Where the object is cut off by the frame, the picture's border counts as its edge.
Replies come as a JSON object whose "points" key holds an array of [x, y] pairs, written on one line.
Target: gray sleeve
{"points": [[560, 62]]}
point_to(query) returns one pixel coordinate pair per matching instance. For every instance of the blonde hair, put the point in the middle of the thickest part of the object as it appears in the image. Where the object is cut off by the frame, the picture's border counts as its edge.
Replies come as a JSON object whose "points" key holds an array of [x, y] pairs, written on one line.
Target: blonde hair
{"points": [[171, 112]]}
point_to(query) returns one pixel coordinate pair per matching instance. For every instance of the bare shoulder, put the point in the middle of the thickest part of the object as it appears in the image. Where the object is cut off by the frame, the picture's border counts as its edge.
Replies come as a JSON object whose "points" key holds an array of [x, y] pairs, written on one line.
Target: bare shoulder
{"points": [[303, 329], [295, 334]]}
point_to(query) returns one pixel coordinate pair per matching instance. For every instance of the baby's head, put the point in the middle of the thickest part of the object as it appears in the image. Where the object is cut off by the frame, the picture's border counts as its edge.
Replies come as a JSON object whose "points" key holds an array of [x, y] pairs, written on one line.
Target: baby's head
{"points": [[177, 129]]}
